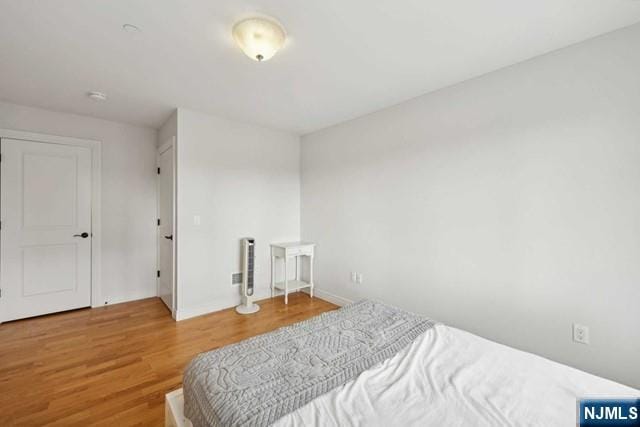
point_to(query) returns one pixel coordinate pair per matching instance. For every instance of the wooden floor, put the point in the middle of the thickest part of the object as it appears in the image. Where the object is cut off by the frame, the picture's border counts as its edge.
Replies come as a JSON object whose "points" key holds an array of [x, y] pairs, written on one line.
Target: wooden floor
{"points": [[112, 366]]}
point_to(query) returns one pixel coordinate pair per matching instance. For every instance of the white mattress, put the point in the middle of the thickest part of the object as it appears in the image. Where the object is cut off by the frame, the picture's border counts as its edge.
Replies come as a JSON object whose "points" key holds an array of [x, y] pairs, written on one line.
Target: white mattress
{"points": [[449, 377]]}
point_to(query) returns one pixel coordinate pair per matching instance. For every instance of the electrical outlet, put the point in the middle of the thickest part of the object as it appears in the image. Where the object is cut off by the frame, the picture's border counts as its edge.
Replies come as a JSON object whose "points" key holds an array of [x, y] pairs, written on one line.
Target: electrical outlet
{"points": [[359, 278], [580, 333], [354, 277]]}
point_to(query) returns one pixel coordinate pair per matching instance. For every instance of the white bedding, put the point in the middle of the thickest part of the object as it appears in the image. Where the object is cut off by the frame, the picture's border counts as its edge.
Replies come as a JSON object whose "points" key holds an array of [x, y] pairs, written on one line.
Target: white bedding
{"points": [[449, 377]]}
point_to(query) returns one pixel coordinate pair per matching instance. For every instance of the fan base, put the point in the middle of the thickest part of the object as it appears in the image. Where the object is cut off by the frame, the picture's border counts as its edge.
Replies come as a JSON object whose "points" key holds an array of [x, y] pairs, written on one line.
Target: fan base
{"points": [[248, 309]]}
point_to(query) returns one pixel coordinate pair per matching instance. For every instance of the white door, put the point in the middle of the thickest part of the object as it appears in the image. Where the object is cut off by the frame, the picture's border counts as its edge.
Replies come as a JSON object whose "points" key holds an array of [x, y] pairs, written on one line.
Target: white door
{"points": [[45, 209], [165, 228]]}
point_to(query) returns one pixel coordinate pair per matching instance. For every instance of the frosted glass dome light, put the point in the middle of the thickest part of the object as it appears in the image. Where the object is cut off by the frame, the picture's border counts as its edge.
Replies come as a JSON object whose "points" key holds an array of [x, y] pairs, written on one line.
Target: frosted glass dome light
{"points": [[259, 38]]}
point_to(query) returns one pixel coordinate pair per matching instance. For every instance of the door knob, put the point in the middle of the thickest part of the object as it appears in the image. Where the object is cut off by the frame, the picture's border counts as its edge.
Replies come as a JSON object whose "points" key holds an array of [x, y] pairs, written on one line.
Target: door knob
{"points": [[169, 237], [83, 235]]}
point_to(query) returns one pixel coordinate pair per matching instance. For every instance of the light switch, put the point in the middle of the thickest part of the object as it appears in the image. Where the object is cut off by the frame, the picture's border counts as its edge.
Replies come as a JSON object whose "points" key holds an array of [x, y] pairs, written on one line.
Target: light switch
{"points": [[196, 220]]}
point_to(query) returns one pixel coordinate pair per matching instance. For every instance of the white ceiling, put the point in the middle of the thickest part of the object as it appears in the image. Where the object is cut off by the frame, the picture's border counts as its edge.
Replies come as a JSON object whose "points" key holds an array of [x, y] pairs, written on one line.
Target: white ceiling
{"points": [[343, 58]]}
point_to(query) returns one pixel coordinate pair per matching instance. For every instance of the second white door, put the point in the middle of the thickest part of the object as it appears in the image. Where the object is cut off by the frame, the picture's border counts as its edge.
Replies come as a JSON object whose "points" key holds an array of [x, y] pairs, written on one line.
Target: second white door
{"points": [[165, 226]]}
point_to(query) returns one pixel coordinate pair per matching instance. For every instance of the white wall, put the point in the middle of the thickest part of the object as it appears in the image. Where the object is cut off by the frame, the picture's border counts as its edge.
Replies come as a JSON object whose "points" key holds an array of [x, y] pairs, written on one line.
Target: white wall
{"points": [[243, 181], [128, 194], [508, 205]]}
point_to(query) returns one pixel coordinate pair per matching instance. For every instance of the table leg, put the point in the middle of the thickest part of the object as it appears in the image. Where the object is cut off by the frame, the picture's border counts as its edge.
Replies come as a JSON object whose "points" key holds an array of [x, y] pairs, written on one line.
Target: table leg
{"points": [[286, 283], [311, 275], [273, 279]]}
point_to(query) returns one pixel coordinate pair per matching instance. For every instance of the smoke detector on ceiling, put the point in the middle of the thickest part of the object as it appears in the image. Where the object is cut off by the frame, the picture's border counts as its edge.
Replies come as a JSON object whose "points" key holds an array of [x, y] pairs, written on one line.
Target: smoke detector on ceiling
{"points": [[130, 28], [97, 96]]}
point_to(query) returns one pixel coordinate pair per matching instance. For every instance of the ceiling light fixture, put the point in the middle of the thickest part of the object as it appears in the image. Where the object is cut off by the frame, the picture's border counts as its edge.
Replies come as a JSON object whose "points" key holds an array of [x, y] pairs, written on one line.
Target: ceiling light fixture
{"points": [[259, 38], [97, 96]]}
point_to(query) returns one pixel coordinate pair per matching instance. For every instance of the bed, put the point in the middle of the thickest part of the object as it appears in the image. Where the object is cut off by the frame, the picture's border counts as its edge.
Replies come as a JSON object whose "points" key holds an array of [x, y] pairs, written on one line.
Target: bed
{"points": [[369, 364]]}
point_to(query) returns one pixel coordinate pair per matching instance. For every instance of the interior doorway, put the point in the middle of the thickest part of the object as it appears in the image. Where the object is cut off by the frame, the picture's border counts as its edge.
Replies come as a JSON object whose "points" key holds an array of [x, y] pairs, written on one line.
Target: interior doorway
{"points": [[47, 194]]}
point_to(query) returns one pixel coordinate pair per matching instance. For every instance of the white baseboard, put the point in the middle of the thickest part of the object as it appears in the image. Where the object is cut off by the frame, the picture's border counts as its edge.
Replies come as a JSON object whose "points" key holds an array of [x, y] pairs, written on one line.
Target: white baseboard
{"points": [[328, 296], [217, 305], [213, 306], [261, 293], [128, 298]]}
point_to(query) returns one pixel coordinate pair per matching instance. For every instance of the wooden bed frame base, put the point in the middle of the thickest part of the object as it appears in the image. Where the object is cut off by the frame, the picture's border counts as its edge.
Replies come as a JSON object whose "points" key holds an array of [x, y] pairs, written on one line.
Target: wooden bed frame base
{"points": [[174, 410]]}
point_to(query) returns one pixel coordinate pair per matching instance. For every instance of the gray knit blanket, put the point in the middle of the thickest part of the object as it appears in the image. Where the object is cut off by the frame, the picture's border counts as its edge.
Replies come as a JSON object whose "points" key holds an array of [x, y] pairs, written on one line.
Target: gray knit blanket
{"points": [[259, 380]]}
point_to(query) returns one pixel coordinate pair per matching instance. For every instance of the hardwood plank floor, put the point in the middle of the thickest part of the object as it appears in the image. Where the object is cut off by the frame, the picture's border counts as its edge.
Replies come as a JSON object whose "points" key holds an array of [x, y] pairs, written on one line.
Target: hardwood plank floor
{"points": [[113, 365]]}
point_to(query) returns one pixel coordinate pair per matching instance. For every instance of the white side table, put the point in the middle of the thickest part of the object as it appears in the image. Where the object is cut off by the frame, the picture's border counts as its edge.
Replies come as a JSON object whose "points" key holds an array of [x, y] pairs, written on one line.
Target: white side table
{"points": [[285, 252]]}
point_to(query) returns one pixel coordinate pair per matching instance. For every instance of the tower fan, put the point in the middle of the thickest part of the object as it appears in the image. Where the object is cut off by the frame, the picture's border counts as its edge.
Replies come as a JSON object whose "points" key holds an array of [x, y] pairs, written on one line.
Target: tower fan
{"points": [[248, 256]]}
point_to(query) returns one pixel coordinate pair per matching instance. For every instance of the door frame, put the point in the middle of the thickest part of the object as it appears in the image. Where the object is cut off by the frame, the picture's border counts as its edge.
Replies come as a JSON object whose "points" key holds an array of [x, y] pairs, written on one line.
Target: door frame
{"points": [[96, 197], [169, 143]]}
